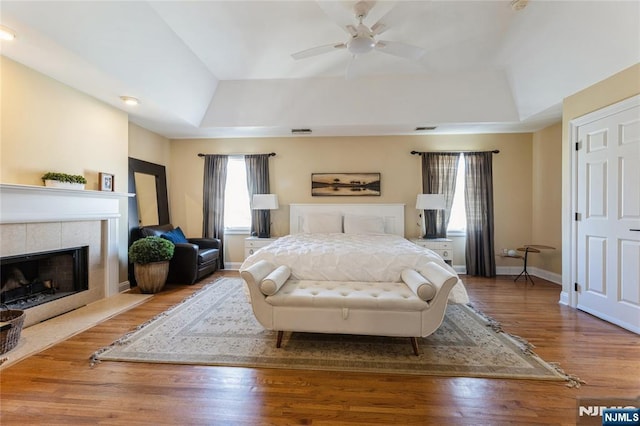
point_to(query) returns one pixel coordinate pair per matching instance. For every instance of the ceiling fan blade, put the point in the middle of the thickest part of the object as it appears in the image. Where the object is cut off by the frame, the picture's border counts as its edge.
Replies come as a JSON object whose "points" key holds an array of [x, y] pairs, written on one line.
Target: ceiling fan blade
{"points": [[319, 50], [403, 50], [339, 12], [385, 10], [378, 28]]}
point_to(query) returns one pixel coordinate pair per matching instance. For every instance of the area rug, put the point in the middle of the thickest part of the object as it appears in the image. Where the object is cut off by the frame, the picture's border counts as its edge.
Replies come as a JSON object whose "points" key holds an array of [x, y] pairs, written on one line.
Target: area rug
{"points": [[216, 326]]}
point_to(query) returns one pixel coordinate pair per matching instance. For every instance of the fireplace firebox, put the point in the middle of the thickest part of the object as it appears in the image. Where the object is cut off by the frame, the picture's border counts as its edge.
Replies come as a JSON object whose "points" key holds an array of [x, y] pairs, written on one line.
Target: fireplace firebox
{"points": [[37, 278]]}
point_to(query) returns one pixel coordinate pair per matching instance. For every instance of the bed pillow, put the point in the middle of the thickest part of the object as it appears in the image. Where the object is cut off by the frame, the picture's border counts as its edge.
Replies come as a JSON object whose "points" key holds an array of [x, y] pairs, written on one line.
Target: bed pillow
{"points": [[276, 279], [176, 236], [358, 224], [322, 223], [422, 287]]}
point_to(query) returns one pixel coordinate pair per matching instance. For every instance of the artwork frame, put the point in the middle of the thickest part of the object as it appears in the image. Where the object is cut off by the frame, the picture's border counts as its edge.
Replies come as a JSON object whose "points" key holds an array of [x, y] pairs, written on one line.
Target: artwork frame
{"points": [[106, 182], [345, 184]]}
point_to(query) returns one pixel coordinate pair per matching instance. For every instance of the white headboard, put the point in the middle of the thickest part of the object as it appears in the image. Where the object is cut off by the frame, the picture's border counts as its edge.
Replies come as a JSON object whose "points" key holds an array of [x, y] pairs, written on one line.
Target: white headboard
{"points": [[393, 214]]}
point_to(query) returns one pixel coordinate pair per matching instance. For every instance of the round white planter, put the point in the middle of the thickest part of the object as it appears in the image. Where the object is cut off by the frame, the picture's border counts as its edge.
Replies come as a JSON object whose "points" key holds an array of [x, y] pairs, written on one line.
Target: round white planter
{"points": [[65, 185]]}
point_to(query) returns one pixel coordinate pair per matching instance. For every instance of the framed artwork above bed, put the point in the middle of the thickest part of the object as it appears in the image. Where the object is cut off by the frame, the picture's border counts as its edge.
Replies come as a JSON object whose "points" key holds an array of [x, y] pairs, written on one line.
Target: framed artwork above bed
{"points": [[345, 184]]}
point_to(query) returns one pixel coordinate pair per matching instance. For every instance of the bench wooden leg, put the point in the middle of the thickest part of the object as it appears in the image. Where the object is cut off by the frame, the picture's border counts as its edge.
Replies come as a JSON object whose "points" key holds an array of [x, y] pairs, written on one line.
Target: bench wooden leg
{"points": [[279, 339], [414, 344]]}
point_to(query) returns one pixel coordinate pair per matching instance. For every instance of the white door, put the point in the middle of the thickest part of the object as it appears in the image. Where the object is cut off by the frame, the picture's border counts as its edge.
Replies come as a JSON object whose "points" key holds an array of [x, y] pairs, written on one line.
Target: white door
{"points": [[608, 216]]}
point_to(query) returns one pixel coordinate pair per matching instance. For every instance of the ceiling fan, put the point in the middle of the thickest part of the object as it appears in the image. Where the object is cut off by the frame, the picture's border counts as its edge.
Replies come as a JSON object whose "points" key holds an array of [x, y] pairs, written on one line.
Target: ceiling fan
{"points": [[363, 39]]}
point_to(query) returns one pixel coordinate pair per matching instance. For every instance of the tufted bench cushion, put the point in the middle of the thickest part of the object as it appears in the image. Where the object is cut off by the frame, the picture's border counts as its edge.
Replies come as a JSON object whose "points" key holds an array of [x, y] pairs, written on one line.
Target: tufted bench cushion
{"points": [[385, 296]]}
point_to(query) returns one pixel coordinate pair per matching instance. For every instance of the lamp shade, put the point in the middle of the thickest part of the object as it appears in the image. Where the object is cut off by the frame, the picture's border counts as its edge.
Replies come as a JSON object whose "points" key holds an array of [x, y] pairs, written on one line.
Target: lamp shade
{"points": [[265, 202], [430, 202]]}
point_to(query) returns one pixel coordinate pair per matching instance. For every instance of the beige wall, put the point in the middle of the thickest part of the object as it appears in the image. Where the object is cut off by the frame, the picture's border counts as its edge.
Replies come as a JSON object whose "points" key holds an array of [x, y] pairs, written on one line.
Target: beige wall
{"points": [[546, 225], [298, 157], [618, 87], [154, 148], [148, 146], [48, 126]]}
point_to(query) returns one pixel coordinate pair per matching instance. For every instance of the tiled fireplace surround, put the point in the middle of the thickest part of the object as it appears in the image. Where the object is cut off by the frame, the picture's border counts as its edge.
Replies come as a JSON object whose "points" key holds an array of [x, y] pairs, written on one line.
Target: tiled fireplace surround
{"points": [[35, 219]]}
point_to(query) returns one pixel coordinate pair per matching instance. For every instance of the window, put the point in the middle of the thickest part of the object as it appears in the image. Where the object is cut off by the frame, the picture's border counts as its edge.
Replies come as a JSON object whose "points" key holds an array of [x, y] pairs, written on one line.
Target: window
{"points": [[458, 218], [237, 210]]}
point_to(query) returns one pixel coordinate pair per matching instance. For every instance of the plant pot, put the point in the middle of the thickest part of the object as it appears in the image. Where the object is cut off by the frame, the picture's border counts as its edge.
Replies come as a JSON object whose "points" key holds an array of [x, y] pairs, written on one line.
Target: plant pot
{"points": [[151, 277], [65, 185]]}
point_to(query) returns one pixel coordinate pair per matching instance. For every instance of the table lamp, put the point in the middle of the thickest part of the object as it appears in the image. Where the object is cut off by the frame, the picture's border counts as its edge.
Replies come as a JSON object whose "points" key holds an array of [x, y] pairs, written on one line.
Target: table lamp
{"points": [[429, 203], [265, 202]]}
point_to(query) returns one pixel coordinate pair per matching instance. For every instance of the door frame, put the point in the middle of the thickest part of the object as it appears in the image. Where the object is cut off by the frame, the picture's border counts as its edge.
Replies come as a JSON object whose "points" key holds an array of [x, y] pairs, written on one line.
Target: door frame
{"points": [[569, 296]]}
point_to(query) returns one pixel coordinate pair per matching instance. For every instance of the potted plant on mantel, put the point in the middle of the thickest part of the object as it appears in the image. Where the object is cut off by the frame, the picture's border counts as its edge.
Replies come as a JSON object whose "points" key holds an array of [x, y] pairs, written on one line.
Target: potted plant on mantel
{"points": [[150, 257], [63, 180]]}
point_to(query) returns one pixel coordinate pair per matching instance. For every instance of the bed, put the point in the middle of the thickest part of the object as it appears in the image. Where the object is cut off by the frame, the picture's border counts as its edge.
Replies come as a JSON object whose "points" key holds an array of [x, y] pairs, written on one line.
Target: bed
{"points": [[346, 268]]}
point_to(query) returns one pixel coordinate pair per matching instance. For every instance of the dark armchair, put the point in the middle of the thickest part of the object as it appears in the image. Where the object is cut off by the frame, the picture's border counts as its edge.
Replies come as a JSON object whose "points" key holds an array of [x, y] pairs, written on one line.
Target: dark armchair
{"points": [[191, 260]]}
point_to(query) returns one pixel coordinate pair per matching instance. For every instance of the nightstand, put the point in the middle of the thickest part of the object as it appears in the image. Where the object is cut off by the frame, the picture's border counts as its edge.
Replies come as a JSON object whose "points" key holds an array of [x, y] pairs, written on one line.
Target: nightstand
{"points": [[442, 246], [252, 244]]}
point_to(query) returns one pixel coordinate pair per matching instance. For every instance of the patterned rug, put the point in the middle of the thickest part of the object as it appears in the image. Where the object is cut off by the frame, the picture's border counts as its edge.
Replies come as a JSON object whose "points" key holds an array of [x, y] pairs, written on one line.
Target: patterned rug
{"points": [[216, 326]]}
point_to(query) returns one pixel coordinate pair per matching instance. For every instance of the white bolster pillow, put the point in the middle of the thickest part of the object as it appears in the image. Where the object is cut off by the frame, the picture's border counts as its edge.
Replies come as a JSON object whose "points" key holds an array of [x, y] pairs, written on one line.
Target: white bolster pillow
{"points": [[276, 279], [438, 275], [255, 273], [421, 286]]}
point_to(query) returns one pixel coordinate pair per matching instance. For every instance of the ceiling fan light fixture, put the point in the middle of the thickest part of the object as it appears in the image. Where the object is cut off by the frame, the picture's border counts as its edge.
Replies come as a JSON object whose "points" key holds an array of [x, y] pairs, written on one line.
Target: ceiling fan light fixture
{"points": [[360, 44]]}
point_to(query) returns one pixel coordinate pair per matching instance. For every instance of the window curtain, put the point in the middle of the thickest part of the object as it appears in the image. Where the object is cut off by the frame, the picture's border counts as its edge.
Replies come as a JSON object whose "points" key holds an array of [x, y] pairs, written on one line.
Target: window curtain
{"points": [[439, 172], [478, 197], [258, 183], [215, 180]]}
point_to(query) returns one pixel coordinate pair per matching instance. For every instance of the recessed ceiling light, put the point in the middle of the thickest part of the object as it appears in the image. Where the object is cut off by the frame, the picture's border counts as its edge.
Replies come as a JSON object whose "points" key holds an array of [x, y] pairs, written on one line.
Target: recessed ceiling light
{"points": [[129, 100], [7, 33], [519, 4]]}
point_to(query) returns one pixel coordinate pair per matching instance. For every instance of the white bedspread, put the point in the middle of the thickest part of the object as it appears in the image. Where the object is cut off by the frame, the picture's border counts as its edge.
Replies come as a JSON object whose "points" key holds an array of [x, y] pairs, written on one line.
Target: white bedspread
{"points": [[350, 257]]}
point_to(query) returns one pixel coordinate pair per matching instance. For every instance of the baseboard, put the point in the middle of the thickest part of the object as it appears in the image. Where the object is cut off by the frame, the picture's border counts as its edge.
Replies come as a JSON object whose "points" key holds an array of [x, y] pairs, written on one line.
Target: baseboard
{"points": [[533, 271], [564, 298], [508, 270], [124, 286], [545, 275], [232, 266], [460, 269]]}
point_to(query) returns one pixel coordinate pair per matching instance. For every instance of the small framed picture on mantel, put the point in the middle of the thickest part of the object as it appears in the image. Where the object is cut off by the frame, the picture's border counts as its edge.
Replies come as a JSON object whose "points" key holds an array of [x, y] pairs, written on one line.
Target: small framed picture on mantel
{"points": [[106, 182]]}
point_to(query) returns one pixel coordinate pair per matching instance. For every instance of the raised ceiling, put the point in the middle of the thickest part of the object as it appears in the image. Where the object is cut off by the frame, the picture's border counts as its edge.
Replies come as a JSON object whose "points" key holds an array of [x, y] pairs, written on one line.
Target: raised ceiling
{"points": [[224, 68]]}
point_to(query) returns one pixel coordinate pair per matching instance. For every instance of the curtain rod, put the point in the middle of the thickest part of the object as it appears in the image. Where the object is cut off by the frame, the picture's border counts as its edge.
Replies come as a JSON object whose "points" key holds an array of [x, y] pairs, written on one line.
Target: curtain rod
{"points": [[271, 154], [495, 151]]}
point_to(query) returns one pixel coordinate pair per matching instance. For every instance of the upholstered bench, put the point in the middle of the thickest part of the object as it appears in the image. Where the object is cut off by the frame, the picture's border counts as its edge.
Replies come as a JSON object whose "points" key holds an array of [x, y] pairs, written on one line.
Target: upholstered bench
{"points": [[371, 308]]}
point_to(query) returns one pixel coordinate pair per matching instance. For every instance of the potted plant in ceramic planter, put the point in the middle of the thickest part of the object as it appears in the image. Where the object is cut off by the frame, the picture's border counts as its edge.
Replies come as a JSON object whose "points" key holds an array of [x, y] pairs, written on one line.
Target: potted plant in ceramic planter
{"points": [[150, 257], [63, 180]]}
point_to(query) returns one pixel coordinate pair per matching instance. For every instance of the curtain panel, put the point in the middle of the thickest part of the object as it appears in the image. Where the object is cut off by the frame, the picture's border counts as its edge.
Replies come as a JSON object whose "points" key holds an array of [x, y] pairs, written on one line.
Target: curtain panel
{"points": [[480, 252], [439, 173], [215, 181], [257, 166]]}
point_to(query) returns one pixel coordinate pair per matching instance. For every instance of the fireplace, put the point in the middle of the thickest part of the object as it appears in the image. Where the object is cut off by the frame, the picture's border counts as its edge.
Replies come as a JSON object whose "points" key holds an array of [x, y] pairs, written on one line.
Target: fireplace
{"points": [[37, 220], [37, 278]]}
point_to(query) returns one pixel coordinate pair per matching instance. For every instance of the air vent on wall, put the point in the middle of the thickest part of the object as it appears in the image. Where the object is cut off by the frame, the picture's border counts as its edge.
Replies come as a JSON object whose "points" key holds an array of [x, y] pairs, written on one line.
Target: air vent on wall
{"points": [[301, 131], [423, 128]]}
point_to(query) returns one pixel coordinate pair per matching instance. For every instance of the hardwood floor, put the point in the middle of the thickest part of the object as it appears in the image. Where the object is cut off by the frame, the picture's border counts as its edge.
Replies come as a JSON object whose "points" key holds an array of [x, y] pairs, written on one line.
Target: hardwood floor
{"points": [[57, 386]]}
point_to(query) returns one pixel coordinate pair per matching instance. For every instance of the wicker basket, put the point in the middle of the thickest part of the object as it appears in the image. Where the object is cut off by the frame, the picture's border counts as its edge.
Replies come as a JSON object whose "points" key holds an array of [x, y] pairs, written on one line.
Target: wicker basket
{"points": [[9, 337]]}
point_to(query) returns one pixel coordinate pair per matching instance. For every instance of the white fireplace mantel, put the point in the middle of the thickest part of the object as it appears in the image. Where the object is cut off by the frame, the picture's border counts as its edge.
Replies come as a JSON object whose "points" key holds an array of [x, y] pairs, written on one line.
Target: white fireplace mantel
{"points": [[29, 209], [29, 203]]}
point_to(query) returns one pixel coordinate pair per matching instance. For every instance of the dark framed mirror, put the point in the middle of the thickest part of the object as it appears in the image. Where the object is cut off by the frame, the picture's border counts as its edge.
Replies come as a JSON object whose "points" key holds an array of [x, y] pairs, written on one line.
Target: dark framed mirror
{"points": [[150, 206]]}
